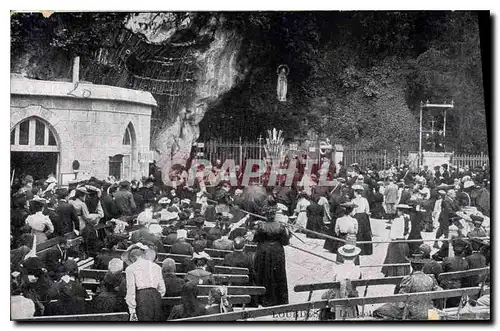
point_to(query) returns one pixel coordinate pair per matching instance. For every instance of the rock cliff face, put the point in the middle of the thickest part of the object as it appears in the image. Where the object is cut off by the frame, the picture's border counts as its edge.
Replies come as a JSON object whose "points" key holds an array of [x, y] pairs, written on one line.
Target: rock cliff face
{"points": [[212, 52]]}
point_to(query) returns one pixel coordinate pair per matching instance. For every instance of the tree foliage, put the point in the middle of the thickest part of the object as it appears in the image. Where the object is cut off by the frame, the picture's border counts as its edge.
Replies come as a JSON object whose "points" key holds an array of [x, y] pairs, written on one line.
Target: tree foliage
{"points": [[357, 77]]}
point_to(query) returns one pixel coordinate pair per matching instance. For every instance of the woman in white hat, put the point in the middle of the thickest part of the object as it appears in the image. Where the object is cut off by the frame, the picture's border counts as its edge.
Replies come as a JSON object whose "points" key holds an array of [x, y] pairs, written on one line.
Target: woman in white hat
{"points": [[361, 212], [145, 285], [344, 273], [39, 223], [398, 252]]}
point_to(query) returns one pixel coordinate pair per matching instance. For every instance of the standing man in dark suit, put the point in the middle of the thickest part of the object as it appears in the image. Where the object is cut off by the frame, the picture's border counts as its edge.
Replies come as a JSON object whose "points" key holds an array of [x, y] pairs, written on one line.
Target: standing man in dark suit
{"points": [[125, 200], [343, 170], [449, 207], [67, 220]]}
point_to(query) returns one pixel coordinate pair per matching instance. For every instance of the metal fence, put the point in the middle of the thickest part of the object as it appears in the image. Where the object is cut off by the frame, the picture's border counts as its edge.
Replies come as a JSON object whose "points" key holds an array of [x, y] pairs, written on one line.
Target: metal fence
{"points": [[241, 151], [461, 160], [238, 151], [381, 158]]}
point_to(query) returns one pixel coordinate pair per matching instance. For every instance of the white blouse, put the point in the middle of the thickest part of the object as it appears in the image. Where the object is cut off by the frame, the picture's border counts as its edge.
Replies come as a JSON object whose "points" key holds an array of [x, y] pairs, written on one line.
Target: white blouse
{"points": [[362, 206], [398, 228], [39, 221]]}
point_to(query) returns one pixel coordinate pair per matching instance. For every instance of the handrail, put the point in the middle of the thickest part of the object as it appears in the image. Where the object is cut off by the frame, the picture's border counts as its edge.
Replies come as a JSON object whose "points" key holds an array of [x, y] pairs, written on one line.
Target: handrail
{"points": [[234, 316]]}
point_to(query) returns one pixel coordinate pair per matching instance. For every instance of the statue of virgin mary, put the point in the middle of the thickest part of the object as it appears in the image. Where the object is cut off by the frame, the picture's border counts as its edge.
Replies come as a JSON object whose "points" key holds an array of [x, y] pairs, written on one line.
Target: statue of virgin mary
{"points": [[282, 81]]}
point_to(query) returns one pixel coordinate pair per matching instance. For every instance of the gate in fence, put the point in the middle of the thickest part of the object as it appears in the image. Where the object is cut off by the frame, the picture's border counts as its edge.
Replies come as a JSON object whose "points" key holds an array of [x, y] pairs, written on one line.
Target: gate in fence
{"points": [[238, 151]]}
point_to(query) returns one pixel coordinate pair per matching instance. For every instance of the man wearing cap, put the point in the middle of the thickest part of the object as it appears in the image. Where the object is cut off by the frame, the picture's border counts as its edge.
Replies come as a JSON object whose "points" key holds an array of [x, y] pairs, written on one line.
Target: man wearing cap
{"points": [[68, 222], [417, 281], [478, 230], [431, 267], [344, 273], [455, 263], [125, 200], [238, 258], [475, 260], [182, 247], [173, 284]]}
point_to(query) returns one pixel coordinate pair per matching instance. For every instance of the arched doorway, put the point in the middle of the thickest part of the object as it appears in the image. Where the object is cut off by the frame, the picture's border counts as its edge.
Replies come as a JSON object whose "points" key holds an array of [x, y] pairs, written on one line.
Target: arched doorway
{"points": [[121, 164], [34, 149]]}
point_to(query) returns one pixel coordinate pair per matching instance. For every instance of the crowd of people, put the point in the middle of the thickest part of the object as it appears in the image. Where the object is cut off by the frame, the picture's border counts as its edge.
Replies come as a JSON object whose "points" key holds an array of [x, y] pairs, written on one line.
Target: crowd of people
{"points": [[140, 217]]}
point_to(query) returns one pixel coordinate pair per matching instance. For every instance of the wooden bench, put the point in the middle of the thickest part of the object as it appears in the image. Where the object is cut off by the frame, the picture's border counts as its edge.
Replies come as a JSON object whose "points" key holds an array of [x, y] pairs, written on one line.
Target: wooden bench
{"points": [[108, 317], [384, 281], [236, 290], [217, 252], [463, 274], [219, 269], [218, 278], [276, 310]]}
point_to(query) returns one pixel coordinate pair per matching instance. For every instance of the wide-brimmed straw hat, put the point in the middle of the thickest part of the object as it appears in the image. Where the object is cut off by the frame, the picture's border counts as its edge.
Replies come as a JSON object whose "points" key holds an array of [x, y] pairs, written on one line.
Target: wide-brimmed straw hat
{"points": [[476, 219], [348, 204], [36, 198], [417, 258], [164, 201], [149, 253], [82, 189], [358, 188], [349, 250], [200, 256]]}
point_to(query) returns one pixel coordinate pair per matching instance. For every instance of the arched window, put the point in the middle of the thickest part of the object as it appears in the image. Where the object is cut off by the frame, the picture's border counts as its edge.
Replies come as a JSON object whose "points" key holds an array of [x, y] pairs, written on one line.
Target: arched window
{"points": [[127, 137], [33, 134]]}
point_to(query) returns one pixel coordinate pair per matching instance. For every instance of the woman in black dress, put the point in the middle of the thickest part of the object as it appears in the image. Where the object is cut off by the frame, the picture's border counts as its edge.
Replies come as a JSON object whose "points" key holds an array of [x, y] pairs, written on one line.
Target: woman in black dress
{"points": [[270, 264], [337, 197], [416, 221], [315, 214]]}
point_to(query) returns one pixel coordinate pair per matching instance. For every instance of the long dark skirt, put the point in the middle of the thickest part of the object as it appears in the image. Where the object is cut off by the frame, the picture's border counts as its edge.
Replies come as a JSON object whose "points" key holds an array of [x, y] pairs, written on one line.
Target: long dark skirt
{"points": [[270, 272], [396, 253], [149, 305], [364, 233], [414, 246], [314, 224], [332, 245]]}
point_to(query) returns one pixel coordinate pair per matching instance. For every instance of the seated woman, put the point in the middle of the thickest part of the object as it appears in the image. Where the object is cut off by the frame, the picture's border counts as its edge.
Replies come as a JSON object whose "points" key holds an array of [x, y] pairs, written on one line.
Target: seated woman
{"points": [[70, 277], [55, 268], [111, 293], [218, 302], [20, 307], [190, 305], [67, 303], [202, 272]]}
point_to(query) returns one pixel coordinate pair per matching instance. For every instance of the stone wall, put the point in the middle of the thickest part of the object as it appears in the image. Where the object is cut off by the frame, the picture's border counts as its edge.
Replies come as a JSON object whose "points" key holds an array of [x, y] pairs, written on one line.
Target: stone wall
{"points": [[89, 122]]}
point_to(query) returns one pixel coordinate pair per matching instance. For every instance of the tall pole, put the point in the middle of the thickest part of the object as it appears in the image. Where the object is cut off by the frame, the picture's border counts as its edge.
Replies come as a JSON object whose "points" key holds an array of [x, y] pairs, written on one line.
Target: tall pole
{"points": [[76, 69], [420, 136], [444, 131], [260, 153]]}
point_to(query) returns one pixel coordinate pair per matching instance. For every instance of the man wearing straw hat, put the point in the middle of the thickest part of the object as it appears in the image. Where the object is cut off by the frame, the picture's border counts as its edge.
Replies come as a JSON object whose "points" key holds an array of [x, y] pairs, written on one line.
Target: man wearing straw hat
{"points": [[145, 285], [416, 282], [344, 273]]}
